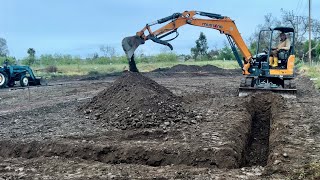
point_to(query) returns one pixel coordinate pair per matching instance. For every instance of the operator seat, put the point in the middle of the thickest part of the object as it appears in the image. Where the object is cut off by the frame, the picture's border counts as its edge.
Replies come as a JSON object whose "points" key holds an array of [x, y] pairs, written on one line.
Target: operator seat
{"points": [[283, 56]]}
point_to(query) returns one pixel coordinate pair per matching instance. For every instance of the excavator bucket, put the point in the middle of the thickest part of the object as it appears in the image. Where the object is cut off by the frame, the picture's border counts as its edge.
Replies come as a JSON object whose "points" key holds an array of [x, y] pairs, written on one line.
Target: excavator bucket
{"points": [[129, 45], [41, 81]]}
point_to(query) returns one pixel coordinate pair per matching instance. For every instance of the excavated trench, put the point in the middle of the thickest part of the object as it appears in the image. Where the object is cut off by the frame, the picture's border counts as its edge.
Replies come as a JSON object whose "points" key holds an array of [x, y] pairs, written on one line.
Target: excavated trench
{"points": [[261, 107], [253, 148]]}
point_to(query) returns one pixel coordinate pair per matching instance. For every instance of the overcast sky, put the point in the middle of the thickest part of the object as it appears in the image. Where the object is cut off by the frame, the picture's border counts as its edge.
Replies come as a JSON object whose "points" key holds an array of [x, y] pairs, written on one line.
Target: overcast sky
{"points": [[80, 27]]}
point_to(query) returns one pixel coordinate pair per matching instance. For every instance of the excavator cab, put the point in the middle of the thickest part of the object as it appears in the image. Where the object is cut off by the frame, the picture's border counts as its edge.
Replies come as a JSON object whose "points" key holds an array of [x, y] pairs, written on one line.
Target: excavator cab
{"points": [[265, 77], [283, 55], [269, 39]]}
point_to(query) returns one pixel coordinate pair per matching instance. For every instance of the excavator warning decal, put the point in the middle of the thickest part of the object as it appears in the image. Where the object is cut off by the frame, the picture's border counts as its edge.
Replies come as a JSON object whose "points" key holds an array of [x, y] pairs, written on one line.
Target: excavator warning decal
{"points": [[214, 26]]}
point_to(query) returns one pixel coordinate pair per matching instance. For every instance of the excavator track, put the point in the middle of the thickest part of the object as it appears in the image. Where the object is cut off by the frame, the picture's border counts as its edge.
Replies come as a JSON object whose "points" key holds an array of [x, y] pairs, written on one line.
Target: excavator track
{"points": [[248, 86]]}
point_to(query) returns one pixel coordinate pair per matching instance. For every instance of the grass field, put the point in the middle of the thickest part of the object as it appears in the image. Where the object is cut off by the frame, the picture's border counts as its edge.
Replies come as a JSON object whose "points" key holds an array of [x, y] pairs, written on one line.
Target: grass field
{"points": [[85, 69], [313, 72]]}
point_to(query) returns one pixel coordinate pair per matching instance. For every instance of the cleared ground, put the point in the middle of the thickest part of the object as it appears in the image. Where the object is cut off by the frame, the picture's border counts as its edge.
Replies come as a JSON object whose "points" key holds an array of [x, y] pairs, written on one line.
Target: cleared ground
{"points": [[46, 132]]}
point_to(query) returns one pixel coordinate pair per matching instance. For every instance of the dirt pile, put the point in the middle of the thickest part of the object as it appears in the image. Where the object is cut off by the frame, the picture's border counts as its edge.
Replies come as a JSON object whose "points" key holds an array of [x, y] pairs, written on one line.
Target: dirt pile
{"points": [[193, 68], [135, 101]]}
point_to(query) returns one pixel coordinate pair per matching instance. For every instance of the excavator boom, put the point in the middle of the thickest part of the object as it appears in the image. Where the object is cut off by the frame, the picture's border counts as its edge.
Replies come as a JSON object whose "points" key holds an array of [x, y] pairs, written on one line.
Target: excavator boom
{"points": [[215, 21], [259, 74]]}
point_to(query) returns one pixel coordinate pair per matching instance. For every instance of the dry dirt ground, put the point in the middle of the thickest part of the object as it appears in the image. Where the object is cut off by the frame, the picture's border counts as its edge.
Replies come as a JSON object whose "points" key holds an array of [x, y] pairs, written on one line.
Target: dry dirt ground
{"points": [[167, 124]]}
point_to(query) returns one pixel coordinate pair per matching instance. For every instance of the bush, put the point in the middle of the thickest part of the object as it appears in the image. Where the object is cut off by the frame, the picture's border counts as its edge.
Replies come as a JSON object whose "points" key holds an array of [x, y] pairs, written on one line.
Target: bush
{"points": [[226, 54], [165, 57], [162, 57], [11, 60], [51, 69], [93, 73]]}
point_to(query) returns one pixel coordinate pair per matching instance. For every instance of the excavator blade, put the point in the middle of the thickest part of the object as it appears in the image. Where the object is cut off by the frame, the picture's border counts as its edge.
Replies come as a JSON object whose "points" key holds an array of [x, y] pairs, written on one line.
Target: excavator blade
{"points": [[286, 93], [43, 81], [130, 44], [287, 89]]}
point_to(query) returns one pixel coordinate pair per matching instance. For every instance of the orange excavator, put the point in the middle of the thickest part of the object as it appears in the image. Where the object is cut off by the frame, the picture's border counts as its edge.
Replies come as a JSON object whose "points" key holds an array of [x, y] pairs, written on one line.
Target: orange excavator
{"points": [[259, 74]]}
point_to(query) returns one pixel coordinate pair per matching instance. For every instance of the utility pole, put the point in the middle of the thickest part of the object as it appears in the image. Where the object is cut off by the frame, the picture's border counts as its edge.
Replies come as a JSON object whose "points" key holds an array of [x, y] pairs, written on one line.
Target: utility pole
{"points": [[298, 20], [310, 33]]}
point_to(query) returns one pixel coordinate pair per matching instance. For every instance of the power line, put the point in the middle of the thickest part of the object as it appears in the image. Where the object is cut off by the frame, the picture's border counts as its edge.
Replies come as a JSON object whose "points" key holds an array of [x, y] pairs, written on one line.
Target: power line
{"points": [[310, 32], [298, 8], [305, 8]]}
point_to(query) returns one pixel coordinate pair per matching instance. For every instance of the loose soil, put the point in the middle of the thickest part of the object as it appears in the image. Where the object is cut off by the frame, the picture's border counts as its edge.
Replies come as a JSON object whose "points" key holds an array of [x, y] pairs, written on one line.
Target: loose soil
{"points": [[158, 125], [135, 101], [180, 68]]}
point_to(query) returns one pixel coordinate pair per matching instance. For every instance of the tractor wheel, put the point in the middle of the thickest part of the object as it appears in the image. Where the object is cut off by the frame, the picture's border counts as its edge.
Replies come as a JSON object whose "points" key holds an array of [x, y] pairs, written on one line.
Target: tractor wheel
{"points": [[3, 79], [24, 81]]}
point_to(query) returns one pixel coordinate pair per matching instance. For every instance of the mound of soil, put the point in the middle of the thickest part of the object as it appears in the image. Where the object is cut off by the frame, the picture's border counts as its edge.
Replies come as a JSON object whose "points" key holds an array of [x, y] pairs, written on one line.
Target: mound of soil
{"points": [[193, 68], [135, 101]]}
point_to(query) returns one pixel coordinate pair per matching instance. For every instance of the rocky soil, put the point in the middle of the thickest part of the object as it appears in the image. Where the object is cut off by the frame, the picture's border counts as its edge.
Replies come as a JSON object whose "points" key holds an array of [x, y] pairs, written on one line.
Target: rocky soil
{"points": [[184, 124]]}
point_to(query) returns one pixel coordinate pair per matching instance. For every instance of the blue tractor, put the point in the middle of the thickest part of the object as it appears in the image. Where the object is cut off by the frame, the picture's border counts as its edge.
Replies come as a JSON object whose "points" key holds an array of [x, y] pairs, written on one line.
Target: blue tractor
{"points": [[10, 74]]}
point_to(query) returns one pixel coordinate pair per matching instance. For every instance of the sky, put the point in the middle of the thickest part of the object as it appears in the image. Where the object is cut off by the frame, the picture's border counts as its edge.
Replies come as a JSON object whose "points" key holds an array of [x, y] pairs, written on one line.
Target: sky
{"points": [[80, 27]]}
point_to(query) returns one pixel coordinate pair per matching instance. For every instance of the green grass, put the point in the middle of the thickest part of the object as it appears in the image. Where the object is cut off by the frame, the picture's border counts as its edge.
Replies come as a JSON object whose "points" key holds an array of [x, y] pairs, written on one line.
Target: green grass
{"points": [[145, 67], [313, 72], [85, 69]]}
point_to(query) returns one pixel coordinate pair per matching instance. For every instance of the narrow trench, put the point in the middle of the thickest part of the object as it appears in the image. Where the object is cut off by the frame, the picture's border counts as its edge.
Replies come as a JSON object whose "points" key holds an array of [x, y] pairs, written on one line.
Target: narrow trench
{"points": [[254, 147], [257, 149]]}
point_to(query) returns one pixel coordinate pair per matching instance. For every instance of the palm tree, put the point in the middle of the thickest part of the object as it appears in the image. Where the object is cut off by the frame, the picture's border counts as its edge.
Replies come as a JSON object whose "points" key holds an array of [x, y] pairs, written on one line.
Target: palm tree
{"points": [[31, 58]]}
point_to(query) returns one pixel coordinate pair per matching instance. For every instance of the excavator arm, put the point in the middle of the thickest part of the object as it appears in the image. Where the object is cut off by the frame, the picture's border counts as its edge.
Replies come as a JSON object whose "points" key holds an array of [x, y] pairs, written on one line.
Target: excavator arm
{"points": [[221, 23]]}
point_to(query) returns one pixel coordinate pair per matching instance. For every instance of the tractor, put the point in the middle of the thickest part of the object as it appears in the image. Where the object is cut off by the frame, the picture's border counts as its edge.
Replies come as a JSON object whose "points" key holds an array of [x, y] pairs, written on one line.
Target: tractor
{"points": [[10, 74]]}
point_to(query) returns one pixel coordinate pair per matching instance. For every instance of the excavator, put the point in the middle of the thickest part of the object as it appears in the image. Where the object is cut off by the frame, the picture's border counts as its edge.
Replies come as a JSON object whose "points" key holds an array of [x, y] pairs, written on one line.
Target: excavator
{"points": [[259, 75]]}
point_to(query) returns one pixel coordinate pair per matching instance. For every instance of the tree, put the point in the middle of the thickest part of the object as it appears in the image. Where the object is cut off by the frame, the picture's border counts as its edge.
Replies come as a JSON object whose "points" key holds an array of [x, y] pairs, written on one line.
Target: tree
{"points": [[226, 53], [95, 56], [201, 47], [31, 58], [290, 19], [269, 22], [11, 60], [3, 48], [301, 26], [31, 52], [108, 51], [315, 50], [213, 54]]}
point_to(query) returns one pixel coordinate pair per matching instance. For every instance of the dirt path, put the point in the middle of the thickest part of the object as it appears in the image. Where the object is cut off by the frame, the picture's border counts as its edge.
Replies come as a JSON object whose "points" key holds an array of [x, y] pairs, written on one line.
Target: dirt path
{"points": [[263, 136]]}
